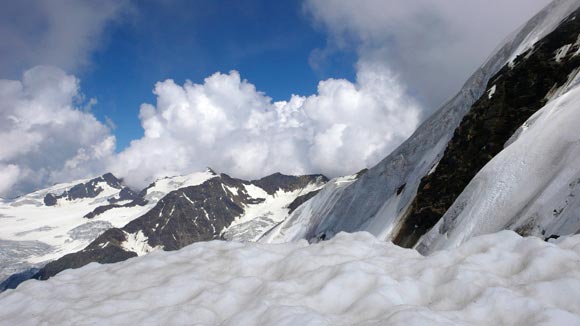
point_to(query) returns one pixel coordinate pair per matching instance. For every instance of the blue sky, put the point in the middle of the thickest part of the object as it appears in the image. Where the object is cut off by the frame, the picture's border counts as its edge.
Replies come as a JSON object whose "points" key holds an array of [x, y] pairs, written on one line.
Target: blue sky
{"points": [[268, 42]]}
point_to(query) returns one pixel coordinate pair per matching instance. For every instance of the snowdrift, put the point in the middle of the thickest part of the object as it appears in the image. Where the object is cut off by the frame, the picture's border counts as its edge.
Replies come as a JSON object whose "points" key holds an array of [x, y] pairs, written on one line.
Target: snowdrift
{"points": [[351, 279]]}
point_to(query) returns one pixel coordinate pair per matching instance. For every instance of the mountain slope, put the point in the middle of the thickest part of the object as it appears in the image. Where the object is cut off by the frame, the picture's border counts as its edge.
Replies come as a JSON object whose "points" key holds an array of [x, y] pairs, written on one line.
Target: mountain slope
{"points": [[50, 223], [531, 187], [519, 90], [218, 208], [380, 198]]}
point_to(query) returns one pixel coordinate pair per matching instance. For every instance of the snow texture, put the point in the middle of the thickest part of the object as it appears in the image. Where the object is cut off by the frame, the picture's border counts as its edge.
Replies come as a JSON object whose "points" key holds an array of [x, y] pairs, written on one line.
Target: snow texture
{"points": [[357, 279], [532, 186], [261, 217]]}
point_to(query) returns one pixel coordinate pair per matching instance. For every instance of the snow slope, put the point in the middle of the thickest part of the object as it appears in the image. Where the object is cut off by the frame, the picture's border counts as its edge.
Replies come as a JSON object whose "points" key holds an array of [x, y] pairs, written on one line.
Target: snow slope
{"points": [[32, 233], [499, 279], [261, 217], [378, 199], [532, 186]]}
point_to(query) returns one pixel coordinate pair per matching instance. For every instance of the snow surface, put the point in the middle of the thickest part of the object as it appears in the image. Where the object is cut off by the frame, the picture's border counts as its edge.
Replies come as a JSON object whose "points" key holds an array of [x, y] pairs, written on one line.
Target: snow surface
{"points": [[303, 222], [491, 91], [532, 186], [137, 243], [166, 185], [259, 218], [352, 279]]}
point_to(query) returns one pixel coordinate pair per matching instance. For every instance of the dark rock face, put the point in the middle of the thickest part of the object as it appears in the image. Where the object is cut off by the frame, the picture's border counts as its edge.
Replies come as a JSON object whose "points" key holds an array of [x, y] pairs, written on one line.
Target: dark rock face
{"points": [[14, 280], [89, 189], [124, 194], [95, 252], [192, 214], [182, 217], [278, 181], [50, 200], [520, 91], [301, 200]]}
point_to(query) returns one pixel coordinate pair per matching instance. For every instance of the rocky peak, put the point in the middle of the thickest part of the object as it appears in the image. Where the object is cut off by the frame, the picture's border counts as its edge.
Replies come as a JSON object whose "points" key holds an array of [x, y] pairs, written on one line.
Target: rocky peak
{"points": [[278, 181], [89, 189]]}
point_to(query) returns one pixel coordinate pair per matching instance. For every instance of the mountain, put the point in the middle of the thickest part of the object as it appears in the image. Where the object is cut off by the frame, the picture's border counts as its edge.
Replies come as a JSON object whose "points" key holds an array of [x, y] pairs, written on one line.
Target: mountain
{"points": [[510, 111], [50, 223], [405, 195], [101, 220]]}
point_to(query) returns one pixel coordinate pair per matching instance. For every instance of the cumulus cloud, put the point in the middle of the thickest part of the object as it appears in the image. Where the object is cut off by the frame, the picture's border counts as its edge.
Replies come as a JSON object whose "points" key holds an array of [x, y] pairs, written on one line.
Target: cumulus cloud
{"points": [[46, 135], [433, 45], [227, 124], [411, 54], [57, 32]]}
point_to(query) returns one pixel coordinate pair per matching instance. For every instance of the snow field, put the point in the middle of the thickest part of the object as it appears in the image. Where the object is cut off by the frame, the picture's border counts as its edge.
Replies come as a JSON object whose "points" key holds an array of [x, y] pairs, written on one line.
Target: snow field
{"points": [[352, 279]]}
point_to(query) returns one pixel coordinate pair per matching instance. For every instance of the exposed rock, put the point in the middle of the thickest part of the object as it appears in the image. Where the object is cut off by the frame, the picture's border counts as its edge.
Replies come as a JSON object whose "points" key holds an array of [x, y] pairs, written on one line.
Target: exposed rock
{"points": [[301, 200], [520, 91], [89, 189]]}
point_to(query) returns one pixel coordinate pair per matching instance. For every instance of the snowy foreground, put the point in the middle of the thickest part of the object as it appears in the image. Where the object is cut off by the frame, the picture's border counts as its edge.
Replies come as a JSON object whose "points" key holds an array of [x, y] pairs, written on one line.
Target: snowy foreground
{"points": [[351, 279]]}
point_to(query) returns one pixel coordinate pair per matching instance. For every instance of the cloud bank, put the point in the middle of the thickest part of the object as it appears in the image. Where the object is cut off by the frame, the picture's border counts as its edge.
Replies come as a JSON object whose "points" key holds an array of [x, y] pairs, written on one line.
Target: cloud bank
{"points": [[411, 56], [227, 124], [432, 45], [57, 32], [47, 135]]}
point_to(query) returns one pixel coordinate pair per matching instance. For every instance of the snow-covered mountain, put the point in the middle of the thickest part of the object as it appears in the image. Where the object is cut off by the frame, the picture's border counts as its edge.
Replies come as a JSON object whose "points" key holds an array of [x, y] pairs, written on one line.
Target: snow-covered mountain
{"points": [[101, 220], [406, 194], [65, 218]]}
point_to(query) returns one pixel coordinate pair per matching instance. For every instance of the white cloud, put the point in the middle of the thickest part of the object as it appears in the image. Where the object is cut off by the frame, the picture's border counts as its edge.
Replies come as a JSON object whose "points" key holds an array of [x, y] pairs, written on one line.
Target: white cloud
{"points": [[432, 45], [227, 124], [46, 137], [57, 32], [49, 135]]}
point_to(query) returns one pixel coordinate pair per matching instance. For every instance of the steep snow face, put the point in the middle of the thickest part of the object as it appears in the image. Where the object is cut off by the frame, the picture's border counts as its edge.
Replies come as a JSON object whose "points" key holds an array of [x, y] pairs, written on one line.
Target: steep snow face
{"points": [[378, 200], [33, 233], [262, 216], [354, 279], [532, 186], [162, 187], [302, 224], [543, 23]]}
